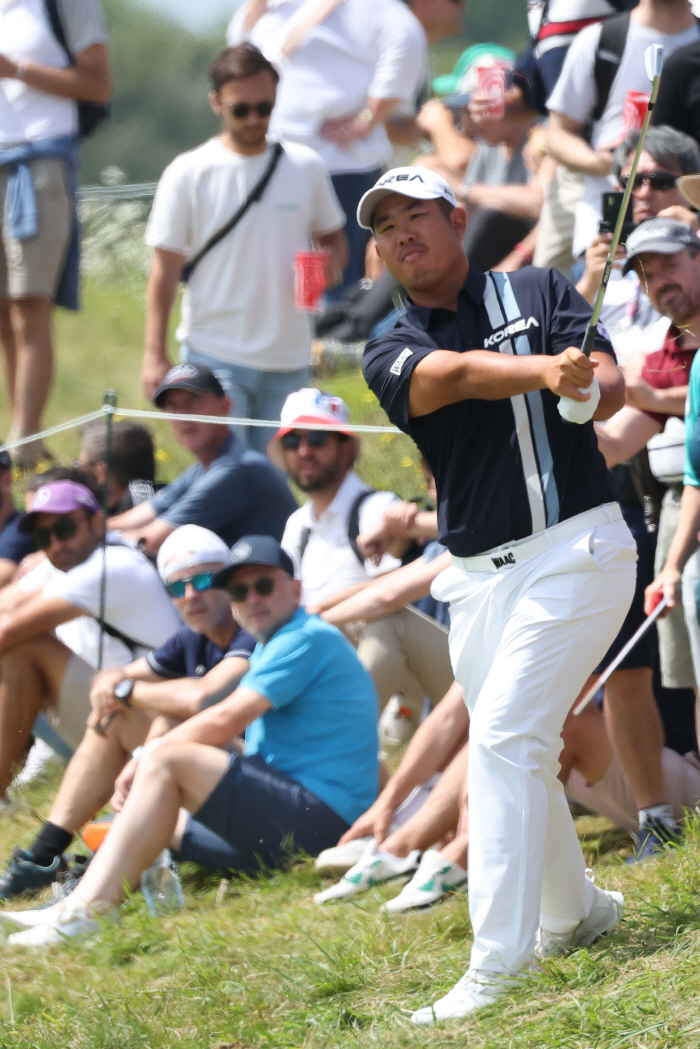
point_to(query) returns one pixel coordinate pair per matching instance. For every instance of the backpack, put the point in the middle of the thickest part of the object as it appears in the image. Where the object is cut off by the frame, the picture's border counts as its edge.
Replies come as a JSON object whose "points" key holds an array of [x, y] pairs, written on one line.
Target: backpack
{"points": [[611, 47], [90, 114]]}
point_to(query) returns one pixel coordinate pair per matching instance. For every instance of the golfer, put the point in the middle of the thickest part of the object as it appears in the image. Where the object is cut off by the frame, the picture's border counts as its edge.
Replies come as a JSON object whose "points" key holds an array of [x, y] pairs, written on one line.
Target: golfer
{"points": [[543, 566]]}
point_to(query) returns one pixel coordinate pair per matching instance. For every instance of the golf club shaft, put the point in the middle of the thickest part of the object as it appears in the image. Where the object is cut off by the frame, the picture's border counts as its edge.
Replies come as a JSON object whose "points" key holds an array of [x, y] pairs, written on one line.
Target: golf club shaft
{"points": [[620, 656]]}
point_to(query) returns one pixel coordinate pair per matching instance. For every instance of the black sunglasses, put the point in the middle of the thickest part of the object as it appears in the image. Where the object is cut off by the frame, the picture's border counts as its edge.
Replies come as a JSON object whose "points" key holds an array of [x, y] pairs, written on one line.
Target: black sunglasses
{"points": [[660, 180], [238, 592], [314, 438], [201, 581], [64, 528], [240, 110]]}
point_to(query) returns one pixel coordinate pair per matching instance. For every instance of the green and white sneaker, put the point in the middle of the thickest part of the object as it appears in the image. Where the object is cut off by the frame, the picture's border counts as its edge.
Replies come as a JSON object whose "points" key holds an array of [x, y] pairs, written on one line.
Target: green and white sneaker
{"points": [[435, 878], [375, 867]]}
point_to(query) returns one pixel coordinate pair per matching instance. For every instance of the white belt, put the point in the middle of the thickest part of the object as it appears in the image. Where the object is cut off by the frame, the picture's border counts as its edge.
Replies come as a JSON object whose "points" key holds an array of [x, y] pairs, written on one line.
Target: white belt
{"points": [[511, 554]]}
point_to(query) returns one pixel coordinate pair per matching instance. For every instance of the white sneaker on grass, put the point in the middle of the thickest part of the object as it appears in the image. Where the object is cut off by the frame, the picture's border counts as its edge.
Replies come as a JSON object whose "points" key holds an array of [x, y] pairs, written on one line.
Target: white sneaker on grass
{"points": [[435, 878], [374, 868], [68, 922], [341, 858], [605, 914], [474, 991]]}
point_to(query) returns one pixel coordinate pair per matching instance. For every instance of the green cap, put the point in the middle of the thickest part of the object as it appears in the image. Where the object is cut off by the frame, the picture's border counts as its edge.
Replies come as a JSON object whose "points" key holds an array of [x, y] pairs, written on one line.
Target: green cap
{"points": [[449, 83]]}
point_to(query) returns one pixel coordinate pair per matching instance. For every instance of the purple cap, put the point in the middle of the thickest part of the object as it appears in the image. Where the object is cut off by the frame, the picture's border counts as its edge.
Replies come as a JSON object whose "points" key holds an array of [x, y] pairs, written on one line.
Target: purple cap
{"points": [[59, 497]]}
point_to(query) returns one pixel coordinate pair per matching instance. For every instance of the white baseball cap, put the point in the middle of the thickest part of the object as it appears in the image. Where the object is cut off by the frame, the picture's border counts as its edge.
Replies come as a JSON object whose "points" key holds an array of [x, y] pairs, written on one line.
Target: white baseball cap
{"points": [[419, 183], [308, 409], [190, 545]]}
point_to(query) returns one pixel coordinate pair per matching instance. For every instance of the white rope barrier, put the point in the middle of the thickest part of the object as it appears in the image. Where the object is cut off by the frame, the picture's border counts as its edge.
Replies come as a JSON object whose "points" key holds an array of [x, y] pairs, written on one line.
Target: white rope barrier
{"points": [[219, 420]]}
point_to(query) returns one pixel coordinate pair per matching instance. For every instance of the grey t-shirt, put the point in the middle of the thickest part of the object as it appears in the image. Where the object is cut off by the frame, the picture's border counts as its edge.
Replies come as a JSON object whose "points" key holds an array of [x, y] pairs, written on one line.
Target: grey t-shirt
{"points": [[491, 166], [84, 24]]}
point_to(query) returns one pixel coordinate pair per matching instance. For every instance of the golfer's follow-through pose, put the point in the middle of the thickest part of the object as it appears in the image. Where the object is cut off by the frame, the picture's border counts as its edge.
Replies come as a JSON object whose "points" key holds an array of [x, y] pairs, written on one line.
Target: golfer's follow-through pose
{"points": [[543, 566]]}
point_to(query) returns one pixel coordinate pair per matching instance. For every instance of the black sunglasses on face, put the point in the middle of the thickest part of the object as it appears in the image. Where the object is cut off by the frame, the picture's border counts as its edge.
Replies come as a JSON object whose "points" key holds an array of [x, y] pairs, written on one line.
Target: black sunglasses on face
{"points": [[64, 528], [201, 581], [242, 109], [314, 438], [238, 592], [662, 181]]}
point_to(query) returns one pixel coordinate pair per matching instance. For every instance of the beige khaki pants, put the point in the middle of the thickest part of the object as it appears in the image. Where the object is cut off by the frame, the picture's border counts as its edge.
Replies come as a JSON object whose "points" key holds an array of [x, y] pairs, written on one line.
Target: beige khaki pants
{"points": [[556, 229]]}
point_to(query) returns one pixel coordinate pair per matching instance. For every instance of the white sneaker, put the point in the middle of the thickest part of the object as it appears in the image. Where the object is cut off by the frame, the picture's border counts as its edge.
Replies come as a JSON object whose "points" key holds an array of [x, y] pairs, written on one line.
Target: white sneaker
{"points": [[341, 858], [68, 923], [38, 760], [374, 868], [434, 878], [472, 992], [605, 914]]}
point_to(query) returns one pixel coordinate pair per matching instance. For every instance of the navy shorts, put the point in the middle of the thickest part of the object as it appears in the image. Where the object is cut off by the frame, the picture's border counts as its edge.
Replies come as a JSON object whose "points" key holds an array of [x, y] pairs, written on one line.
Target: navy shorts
{"points": [[257, 817]]}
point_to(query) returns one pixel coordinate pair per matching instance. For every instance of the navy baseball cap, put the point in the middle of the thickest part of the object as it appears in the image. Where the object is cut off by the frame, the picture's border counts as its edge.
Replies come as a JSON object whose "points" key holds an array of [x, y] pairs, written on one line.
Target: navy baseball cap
{"points": [[193, 377], [662, 236], [254, 550]]}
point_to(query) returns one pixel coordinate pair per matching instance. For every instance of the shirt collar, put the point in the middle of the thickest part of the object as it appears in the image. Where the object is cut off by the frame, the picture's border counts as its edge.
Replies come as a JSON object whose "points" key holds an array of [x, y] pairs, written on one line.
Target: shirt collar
{"points": [[344, 497], [472, 289]]}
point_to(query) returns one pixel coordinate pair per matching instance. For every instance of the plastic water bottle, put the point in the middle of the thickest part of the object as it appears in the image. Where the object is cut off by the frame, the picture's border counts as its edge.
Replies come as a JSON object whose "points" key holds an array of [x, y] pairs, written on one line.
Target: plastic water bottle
{"points": [[161, 886]]}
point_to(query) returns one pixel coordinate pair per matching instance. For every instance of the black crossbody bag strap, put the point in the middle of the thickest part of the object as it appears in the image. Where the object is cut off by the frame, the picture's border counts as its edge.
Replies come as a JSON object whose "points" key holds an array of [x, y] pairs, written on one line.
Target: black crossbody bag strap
{"points": [[354, 523], [611, 46], [90, 114], [254, 197]]}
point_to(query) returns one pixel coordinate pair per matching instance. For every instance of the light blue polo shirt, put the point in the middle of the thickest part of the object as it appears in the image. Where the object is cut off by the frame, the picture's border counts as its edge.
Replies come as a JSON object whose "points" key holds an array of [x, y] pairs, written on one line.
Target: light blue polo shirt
{"points": [[322, 729]]}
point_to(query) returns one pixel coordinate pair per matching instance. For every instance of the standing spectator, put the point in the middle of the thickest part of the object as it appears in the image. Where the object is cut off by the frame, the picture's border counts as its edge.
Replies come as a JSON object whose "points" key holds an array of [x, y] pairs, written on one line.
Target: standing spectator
{"points": [[230, 489], [238, 314], [40, 92], [14, 546], [574, 103], [344, 68], [678, 103]]}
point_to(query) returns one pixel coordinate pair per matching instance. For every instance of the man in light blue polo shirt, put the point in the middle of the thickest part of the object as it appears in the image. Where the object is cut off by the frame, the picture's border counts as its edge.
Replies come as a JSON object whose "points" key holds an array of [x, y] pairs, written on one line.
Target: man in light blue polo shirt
{"points": [[310, 766]]}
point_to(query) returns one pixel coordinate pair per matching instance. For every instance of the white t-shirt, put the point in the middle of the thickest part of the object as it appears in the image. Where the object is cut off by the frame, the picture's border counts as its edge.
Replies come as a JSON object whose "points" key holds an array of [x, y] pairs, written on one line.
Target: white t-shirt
{"points": [[575, 96], [328, 563], [239, 303], [136, 605], [28, 115], [363, 49]]}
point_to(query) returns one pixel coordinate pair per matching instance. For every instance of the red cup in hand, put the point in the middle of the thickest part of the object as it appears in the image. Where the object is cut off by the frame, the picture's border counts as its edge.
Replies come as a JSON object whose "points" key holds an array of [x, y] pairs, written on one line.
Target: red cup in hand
{"points": [[309, 279]]}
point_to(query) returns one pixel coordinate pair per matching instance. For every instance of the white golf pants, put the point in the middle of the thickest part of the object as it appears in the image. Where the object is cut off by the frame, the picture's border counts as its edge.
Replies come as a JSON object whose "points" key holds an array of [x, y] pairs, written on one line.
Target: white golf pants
{"points": [[523, 640]]}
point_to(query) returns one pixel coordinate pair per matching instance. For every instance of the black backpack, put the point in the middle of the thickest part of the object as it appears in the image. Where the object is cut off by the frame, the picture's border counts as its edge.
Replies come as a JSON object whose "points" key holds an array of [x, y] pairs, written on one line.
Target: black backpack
{"points": [[353, 527], [611, 47], [90, 114]]}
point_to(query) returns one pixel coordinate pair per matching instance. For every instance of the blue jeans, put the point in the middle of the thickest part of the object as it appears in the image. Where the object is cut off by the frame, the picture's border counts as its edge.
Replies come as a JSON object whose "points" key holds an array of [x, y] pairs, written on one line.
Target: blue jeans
{"points": [[349, 187], [254, 394]]}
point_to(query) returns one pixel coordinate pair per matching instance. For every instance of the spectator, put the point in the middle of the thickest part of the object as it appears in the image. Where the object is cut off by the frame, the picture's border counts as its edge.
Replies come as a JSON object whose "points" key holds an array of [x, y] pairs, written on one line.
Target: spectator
{"points": [[132, 464], [42, 89], [202, 663], [238, 314], [344, 67], [40, 670], [406, 653], [573, 103], [310, 767], [229, 489], [14, 546], [678, 102]]}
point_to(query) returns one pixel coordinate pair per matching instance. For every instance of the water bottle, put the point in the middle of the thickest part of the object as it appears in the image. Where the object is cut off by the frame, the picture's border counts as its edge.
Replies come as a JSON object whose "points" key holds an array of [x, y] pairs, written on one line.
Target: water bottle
{"points": [[161, 886]]}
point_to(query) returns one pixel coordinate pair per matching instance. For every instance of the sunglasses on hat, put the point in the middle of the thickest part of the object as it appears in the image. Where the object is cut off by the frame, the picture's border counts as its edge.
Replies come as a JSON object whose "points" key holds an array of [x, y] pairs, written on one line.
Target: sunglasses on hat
{"points": [[202, 581], [64, 528], [663, 181], [238, 592]]}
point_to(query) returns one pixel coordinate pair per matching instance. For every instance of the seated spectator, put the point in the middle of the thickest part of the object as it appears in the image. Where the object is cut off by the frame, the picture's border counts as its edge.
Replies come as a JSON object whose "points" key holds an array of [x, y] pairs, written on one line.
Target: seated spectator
{"points": [[40, 670], [231, 489], [132, 464], [409, 653], [310, 764], [202, 663], [14, 546]]}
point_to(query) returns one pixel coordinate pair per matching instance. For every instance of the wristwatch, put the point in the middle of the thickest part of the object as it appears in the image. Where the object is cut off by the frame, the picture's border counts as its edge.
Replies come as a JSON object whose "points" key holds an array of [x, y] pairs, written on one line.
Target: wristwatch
{"points": [[123, 691]]}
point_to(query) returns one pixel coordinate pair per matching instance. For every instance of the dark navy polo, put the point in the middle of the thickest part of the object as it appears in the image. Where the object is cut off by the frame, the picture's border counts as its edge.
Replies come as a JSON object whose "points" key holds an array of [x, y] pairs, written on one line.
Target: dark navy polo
{"points": [[508, 468], [15, 545], [189, 654]]}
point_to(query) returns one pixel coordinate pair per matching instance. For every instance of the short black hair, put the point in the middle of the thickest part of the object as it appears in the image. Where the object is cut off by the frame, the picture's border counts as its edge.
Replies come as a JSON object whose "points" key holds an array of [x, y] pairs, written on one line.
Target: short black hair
{"points": [[238, 63], [132, 455]]}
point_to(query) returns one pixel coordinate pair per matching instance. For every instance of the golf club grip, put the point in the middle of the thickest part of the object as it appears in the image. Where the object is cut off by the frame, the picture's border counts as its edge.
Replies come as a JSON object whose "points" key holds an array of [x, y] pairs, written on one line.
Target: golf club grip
{"points": [[589, 340]]}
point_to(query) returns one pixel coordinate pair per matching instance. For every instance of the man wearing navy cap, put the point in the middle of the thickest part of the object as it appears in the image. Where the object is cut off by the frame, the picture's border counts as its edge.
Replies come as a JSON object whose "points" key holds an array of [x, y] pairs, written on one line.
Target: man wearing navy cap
{"points": [[310, 768], [484, 373]]}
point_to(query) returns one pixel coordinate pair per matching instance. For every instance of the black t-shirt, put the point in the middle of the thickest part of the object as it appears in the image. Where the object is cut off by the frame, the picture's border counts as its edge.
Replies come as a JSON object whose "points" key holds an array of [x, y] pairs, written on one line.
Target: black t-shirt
{"points": [[14, 546], [678, 104], [504, 469], [189, 654]]}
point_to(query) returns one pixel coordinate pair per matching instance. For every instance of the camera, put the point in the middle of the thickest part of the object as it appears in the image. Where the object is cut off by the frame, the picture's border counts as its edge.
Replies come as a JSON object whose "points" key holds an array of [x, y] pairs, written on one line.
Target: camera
{"points": [[610, 205]]}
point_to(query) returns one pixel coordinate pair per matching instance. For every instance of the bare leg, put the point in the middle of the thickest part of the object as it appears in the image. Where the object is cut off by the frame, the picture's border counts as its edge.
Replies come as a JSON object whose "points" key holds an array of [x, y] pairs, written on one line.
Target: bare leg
{"points": [[30, 678], [637, 734], [31, 323], [9, 351], [437, 817]]}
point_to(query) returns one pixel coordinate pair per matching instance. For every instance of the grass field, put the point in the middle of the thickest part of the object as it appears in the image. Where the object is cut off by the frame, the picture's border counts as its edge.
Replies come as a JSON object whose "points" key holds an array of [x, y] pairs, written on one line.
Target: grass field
{"points": [[255, 963]]}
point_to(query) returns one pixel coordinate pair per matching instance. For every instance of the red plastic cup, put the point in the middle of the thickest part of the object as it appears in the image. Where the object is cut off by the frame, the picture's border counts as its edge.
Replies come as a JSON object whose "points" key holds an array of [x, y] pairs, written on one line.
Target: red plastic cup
{"points": [[634, 111], [309, 279], [491, 81]]}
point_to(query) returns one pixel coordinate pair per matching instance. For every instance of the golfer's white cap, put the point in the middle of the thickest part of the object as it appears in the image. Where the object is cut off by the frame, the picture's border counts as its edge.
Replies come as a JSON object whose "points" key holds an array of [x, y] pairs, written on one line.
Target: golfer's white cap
{"points": [[419, 183], [188, 546]]}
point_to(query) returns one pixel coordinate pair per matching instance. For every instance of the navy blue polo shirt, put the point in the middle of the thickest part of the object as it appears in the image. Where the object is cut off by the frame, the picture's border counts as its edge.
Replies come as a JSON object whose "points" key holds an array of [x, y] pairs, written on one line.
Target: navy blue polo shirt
{"points": [[14, 545], [190, 654], [508, 468]]}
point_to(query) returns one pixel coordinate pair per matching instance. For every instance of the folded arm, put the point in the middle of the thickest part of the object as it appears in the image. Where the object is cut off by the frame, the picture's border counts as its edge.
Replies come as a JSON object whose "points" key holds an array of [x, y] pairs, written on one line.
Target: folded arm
{"points": [[89, 80], [36, 616], [625, 434], [389, 593], [218, 725]]}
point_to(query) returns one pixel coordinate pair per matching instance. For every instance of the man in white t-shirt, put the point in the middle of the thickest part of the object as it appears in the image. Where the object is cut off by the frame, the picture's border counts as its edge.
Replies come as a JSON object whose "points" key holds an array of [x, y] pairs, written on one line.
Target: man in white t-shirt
{"points": [[573, 101], [345, 67], [40, 669], [238, 312], [39, 242]]}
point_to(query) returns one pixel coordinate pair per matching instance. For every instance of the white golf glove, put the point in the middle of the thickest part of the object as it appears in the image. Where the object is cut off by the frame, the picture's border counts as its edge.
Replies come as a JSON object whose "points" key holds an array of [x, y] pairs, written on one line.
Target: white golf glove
{"points": [[580, 411]]}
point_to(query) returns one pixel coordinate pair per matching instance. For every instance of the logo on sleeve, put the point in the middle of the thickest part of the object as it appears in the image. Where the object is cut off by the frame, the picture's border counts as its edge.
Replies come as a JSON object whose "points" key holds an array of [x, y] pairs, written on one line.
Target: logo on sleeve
{"points": [[510, 329], [400, 361]]}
